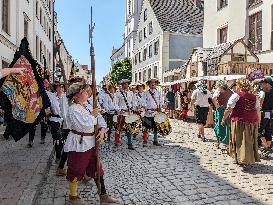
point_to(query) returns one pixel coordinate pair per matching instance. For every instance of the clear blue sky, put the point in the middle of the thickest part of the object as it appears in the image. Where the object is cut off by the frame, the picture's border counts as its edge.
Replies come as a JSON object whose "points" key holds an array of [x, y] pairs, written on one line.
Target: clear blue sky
{"points": [[73, 21]]}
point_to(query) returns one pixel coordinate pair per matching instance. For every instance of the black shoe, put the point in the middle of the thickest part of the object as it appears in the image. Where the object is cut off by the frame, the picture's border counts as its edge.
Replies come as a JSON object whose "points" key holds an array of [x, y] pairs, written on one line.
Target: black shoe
{"points": [[130, 147], [145, 143], [156, 143], [30, 144]]}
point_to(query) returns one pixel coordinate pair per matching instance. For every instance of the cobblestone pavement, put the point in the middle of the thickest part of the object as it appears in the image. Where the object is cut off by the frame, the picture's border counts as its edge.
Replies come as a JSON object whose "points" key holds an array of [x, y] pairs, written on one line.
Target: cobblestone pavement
{"points": [[22, 169], [183, 171]]}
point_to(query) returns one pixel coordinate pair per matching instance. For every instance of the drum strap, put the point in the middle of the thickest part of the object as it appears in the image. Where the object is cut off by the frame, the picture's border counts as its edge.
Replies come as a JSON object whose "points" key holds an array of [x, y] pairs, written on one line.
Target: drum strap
{"points": [[152, 94], [125, 99]]}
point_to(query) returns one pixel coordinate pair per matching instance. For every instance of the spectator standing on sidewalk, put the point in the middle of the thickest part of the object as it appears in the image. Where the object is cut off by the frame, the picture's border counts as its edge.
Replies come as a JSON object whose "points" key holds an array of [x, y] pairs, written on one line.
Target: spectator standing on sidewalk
{"points": [[220, 99], [170, 96], [265, 129], [244, 110], [201, 99]]}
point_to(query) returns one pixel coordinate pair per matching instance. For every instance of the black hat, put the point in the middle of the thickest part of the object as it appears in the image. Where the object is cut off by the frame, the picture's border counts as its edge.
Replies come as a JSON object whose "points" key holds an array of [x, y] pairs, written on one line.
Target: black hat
{"points": [[268, 80]]}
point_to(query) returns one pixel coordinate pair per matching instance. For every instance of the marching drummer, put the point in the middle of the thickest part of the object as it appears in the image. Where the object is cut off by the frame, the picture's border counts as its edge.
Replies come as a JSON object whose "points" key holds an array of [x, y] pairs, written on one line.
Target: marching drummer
{"points": [[153, 104], [139, 99], [124, 104], [109, 107]]}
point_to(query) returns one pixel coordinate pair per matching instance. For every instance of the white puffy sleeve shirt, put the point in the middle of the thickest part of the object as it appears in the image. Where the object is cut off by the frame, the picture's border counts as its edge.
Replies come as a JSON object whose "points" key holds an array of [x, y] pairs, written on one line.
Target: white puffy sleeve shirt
{"points": [[150, 103], [0, 74], [80, 121]]}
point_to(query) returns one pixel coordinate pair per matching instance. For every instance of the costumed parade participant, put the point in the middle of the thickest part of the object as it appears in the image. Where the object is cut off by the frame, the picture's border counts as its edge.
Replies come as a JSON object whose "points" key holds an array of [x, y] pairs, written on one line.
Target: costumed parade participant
{"points": [[266, 126], [55, 120], [108, 105], [43, 123], [80, 145], [64, 105], [153, 104], [220, 98], [140, 100], [102, 94], [244, 110], [124, 105], [201, 98]]}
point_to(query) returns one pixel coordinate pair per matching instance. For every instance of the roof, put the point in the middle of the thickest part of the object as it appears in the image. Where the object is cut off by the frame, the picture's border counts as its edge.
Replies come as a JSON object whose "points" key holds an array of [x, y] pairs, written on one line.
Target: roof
{"points": [[178, 16]]}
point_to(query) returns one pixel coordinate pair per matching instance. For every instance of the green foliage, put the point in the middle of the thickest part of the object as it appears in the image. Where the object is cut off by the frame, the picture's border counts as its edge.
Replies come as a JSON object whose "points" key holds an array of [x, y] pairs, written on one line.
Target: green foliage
{"points": [[121, 70]]}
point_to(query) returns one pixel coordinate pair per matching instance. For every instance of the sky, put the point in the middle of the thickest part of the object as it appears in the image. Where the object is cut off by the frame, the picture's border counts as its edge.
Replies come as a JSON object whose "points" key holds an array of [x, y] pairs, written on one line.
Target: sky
{"points": [[73, 22]]}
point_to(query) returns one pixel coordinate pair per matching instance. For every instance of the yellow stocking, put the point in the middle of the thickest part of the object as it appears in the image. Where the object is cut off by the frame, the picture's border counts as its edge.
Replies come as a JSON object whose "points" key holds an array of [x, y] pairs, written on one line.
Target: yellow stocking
{"points": [[73, 187]]}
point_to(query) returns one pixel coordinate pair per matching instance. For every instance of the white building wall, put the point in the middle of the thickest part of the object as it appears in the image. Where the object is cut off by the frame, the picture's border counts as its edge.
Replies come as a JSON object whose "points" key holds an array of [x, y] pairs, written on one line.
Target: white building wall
{"points": [[236, 16], [18, 11]]}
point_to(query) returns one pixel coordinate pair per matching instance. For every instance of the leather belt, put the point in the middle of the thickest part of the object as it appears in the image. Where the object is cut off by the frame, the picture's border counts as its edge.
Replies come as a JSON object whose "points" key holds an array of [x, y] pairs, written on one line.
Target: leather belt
{"points": [[82, 134]]}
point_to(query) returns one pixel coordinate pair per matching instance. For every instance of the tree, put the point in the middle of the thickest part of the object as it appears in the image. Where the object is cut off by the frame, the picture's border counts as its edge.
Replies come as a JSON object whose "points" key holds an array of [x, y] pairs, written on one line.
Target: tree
{"points": [[121, 70]]}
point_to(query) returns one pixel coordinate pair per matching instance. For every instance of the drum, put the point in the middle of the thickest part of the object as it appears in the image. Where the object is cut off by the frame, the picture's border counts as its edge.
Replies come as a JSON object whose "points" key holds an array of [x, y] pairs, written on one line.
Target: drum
{"points": [[163, 124], [133, 123]]}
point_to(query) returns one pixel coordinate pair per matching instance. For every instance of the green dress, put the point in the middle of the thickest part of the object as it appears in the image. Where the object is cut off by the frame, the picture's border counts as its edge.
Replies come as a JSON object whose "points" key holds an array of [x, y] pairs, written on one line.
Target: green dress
{"points": [[222, 133]]}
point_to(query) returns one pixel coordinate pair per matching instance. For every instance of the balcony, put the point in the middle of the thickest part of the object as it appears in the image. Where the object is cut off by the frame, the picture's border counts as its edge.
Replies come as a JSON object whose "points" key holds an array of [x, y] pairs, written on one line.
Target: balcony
{"points": [[243, 68]]}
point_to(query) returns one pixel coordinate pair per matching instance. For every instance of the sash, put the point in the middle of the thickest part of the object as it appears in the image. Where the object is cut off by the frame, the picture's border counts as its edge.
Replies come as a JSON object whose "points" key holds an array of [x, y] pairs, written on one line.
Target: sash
{"points": [[126, 102], [152, 94]]}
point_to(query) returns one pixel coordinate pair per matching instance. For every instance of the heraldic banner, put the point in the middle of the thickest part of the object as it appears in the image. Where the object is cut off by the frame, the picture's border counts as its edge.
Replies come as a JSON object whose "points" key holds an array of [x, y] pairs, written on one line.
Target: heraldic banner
{"points": [[22, 96]]}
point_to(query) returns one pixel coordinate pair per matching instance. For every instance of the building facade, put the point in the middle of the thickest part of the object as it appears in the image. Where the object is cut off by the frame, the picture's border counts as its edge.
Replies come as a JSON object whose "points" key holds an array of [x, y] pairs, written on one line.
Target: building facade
{"points": [[32, 19], [132, 15], [165, 41], [118, 54], [228, 20]]}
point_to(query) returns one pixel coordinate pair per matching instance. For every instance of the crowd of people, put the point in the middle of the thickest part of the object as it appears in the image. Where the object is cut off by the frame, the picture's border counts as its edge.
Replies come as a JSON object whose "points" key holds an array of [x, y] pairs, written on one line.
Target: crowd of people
{"points": [[242, 115], [242, 121]]}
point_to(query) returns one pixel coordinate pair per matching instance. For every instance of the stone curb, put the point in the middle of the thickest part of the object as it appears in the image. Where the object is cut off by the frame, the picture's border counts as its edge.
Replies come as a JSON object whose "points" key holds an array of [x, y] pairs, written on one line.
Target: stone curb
{"points": [[30, 195]]}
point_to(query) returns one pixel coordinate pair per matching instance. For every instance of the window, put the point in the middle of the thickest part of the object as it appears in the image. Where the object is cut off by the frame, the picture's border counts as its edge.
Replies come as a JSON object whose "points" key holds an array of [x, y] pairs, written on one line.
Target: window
{"points": [[129, 8], [144, 75], [41, 52], [44, 23], [155, 71], [149, 73], [156, 47], [223, 35], [238, 57], [49, 60], [139, 57], [49, 34], [144, 54], [222, 3], [37, 9], [49, 6], [150, 28], [136, 59], [5, 64], [150, 51], [41, 16], [37, 47], [255, 31], [139, 76], [254, 2], [144, 33], [272, 27], [145, 14], [25, 28], [140, 36], [135, 77], [5, 15]]}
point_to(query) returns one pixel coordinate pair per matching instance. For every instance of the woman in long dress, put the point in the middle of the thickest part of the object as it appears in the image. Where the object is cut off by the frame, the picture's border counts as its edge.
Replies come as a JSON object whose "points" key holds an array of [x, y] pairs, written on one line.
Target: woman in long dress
{"points": [[244, 108], [220, 99]]}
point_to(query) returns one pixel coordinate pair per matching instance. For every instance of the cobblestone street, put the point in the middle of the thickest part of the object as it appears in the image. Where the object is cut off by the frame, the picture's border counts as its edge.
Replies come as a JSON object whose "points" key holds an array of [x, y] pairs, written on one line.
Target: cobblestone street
{"points": [[183, 171]]}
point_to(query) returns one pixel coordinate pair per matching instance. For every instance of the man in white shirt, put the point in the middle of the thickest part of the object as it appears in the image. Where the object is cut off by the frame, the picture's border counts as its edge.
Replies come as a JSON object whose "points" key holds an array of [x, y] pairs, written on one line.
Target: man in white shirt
{"points": [[201, 98], [124, 105], [153, 103], [108, 107], [55, 119]]}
